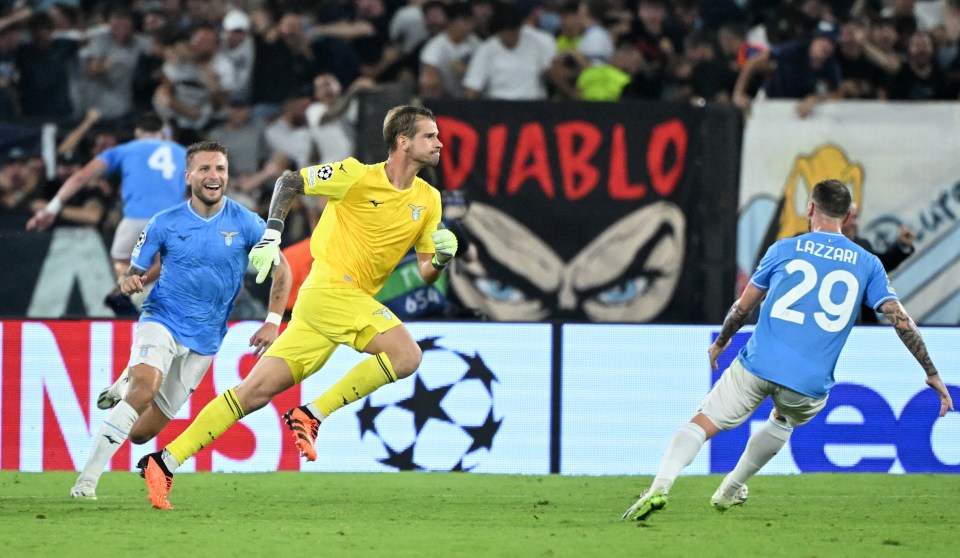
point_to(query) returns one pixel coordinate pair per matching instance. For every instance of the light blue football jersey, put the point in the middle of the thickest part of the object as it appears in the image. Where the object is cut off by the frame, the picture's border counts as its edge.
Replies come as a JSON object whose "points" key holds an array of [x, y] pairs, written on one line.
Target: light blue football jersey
{"points": [[151, 175], [815, 283], [204, 260]]}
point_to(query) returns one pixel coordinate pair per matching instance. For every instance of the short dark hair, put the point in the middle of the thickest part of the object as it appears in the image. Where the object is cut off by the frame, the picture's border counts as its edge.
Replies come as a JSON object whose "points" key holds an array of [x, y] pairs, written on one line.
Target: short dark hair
{"points": [[458, 10], [402, 121], [505, 18], [597, 8], [204, 146], [149, 122], [832, 198]]}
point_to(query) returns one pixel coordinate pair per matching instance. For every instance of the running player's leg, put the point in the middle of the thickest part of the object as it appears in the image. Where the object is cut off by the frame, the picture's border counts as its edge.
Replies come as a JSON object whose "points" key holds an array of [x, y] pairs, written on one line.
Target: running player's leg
{"points": [[183, 376], [395, 355], [791, 409], [150, 423], [269, 377], [356, 319], [298, 352], [730, 402], [154, 349]]}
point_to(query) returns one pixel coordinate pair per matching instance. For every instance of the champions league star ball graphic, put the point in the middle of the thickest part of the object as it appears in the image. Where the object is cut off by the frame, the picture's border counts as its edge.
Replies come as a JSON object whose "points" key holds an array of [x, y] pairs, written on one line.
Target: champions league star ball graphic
{"points": [[441, 419]]}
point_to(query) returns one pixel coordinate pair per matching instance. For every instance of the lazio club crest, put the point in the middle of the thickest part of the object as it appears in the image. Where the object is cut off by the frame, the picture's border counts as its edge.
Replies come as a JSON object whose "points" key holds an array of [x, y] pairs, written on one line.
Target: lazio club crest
{"points": [[228, 237]]}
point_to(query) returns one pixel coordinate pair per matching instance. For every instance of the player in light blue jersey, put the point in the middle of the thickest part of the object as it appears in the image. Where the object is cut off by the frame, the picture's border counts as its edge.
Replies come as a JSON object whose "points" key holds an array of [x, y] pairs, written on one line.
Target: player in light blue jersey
{"points": [[203, 246], [151, 169], [814, 284]]}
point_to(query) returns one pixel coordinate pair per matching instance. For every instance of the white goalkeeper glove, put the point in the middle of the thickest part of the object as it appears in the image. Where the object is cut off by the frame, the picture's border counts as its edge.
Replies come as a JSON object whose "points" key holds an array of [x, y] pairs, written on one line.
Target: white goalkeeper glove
{"points": [[266, 254], [445, 247]]}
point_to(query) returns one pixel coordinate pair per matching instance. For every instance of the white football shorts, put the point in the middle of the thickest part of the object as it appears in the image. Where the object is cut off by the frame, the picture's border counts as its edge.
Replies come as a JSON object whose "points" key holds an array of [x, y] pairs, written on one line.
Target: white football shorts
{"points": [[126, 236], [181, 367], [738, 393]]}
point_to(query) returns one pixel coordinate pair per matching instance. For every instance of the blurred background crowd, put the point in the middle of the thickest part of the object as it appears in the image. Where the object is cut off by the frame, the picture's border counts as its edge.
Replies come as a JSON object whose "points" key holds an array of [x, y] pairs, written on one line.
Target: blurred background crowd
{"points": [[277, 81]]}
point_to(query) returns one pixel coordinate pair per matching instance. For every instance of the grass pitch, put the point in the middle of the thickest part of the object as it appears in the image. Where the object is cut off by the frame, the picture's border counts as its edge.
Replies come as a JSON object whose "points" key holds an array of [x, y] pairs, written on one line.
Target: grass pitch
{"points": [[460, 514]]}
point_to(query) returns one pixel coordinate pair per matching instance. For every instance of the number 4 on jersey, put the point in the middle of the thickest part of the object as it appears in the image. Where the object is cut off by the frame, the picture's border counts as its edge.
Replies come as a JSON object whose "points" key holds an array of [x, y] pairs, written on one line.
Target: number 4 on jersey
{"points": [[162, 160]]}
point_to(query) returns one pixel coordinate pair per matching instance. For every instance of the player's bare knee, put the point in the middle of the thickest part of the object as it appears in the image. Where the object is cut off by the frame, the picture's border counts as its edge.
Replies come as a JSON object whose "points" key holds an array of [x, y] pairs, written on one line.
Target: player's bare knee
{"points": [[139, 397], [254, 404], [252, 397], [406, 361]]}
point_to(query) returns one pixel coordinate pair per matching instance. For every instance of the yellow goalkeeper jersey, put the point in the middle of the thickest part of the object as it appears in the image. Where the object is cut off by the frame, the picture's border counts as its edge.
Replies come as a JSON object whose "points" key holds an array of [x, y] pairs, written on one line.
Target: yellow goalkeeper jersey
{"points": [[368, 224]]}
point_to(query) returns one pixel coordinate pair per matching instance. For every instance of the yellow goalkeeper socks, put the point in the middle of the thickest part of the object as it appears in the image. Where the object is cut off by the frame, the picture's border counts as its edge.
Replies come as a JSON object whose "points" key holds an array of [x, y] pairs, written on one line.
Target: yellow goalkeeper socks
{"points": [[362, 380], [213, 420]]}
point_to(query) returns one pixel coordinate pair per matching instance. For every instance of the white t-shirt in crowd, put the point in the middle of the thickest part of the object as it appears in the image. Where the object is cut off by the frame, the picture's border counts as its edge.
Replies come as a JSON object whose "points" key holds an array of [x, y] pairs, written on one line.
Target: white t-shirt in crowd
{"points": [[442, 53], [497, 72]]}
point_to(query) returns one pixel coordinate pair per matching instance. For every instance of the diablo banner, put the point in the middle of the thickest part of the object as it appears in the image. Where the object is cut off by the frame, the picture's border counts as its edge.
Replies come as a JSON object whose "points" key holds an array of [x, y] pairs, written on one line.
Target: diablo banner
{"points": [[585, 211], [900, 161]]}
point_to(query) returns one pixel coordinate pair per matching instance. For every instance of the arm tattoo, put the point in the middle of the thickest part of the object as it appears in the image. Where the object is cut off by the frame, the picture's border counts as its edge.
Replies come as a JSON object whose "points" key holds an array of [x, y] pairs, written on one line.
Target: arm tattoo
{"points": [[285, 191], [279, 286], [909, 334], [732, 323]]}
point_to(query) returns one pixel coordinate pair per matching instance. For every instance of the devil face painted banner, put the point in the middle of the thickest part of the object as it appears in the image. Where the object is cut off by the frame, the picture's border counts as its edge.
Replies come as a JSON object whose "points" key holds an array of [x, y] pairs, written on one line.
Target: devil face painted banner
{"points": [[575, 210]]}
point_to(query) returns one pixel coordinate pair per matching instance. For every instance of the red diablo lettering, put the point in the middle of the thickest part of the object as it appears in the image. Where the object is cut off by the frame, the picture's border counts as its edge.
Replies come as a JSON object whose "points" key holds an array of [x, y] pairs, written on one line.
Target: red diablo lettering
{"points": [[579, 145]]}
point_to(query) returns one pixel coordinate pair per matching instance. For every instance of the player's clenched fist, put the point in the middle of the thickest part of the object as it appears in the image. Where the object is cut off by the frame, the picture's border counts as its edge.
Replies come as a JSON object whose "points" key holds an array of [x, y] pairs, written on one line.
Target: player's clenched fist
{"points": [[266, 253], [445, 247], [132, 283]]}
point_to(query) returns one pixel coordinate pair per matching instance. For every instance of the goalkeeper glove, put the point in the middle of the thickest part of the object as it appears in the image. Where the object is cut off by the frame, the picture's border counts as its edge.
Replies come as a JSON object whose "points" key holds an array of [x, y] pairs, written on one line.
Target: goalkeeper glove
{"points": [[445, 247], [266, 253]]}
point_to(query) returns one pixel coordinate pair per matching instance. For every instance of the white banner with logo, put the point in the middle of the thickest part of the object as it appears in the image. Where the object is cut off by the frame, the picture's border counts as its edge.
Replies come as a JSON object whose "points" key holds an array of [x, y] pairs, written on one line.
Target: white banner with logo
{"points": [[490, 398], [901, 162], [626, 390]]}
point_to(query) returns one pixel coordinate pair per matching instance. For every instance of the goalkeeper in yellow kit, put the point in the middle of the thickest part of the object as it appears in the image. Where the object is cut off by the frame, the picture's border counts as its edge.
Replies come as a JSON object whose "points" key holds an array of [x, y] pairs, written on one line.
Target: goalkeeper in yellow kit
{"points": [[374, 215]]}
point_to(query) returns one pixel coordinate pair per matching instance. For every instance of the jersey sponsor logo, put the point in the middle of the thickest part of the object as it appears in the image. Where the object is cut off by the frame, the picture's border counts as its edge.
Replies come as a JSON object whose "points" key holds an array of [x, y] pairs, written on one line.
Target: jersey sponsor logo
{"points": [[376, 203], [228, 237], [182, 237], [416, 210], [385, 312]]}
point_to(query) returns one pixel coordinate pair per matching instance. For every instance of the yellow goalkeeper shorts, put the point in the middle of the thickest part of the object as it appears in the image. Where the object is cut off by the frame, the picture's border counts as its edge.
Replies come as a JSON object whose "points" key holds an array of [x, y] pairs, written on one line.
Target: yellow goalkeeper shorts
{"points": [[323, 319]]}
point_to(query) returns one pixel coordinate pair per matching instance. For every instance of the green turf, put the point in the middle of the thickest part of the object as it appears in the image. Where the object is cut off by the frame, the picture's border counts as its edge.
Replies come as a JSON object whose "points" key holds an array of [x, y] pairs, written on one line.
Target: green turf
{"points": [[459, 514]]}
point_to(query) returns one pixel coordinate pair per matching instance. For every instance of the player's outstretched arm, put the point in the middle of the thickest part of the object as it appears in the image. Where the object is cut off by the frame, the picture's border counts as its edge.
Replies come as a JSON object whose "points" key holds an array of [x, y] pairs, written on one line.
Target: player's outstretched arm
{"points": [[285, 191], [897, 315], [43, 218], [736, 317], [266, 253]]}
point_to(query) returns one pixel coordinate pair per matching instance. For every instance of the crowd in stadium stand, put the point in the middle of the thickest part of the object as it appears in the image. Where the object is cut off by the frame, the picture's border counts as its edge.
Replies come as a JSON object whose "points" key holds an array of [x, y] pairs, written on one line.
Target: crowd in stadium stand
{"points": [[277, 80]]}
